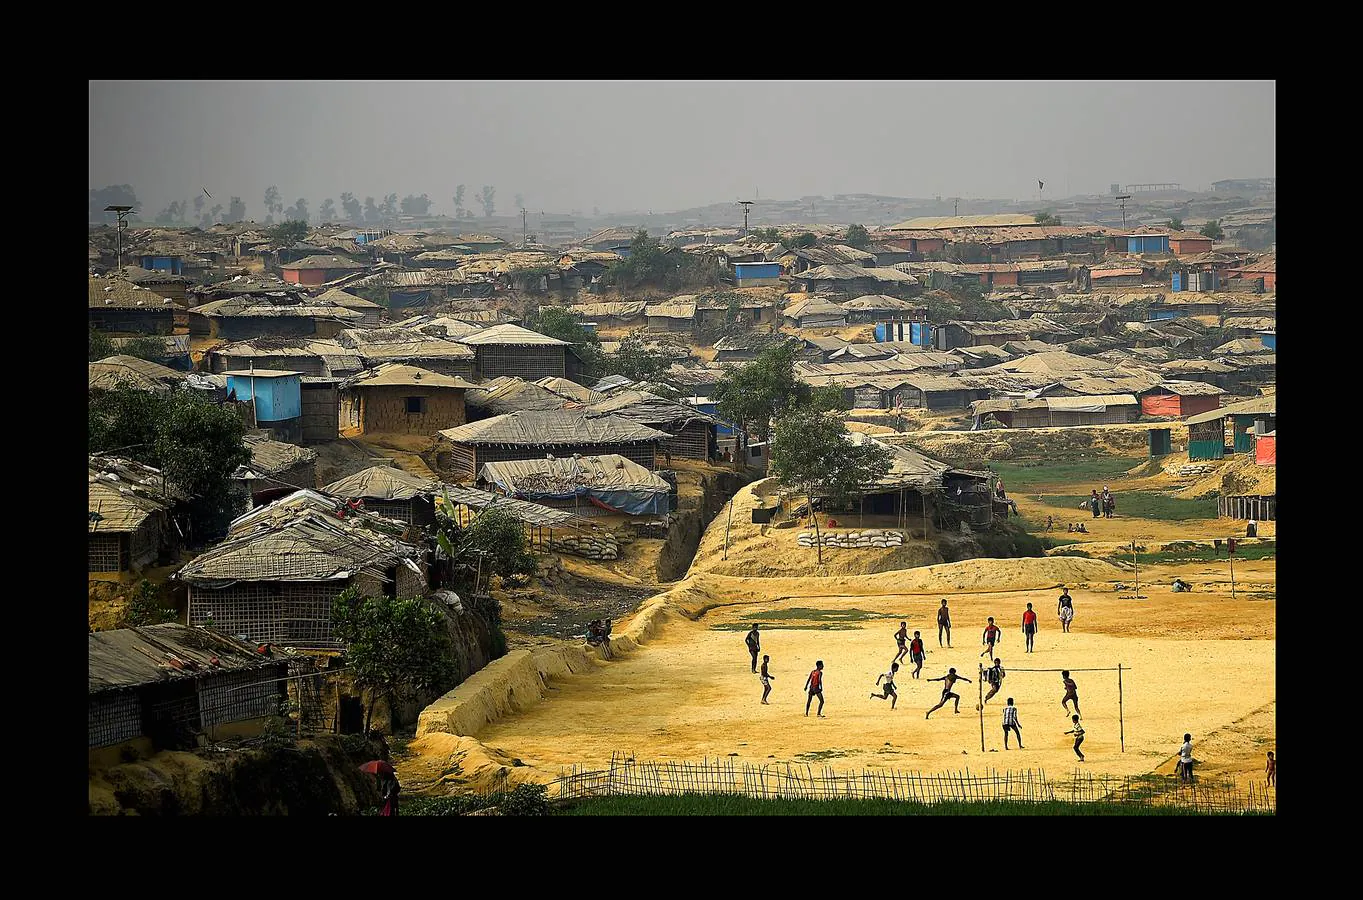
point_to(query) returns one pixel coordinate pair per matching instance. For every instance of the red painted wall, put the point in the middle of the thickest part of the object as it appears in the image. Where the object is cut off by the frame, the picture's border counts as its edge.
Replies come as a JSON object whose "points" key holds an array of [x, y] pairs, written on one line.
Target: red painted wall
{"points": [[305, 276], [1266, 451]]}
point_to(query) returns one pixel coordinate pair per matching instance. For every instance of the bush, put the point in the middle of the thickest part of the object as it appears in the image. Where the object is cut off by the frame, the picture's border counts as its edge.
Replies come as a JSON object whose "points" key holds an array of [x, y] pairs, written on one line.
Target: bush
{"points": [[500, 535], [522, 800]]}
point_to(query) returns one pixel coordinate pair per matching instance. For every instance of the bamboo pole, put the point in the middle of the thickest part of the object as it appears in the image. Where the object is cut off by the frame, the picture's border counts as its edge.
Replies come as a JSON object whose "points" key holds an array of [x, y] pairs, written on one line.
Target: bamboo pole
{"points": [[980, 707], [1121, 718]]}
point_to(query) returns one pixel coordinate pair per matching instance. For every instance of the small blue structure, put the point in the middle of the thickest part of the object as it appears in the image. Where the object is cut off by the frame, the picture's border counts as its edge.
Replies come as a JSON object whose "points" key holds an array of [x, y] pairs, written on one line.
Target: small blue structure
{"points": [[919, 333], [723, 429], [754, 274], [1178, 282], [171, 264], [278, 394], [1270, 339], [1147, 243], [1154, 315]]}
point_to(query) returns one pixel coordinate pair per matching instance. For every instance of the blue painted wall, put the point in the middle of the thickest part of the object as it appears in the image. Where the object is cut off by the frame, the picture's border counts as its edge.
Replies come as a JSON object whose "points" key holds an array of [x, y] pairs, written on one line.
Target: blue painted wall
{"points": [[1178, 282], [1270, 341], [277, 398], [1148, 243], [757, 270], [169, 264], [721, 429], [1154, 315]]}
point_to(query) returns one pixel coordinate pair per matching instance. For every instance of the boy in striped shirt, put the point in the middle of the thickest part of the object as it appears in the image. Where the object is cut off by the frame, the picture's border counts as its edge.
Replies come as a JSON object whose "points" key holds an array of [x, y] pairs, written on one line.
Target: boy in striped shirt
{"points": [[1078, 732], [1010, 723]]}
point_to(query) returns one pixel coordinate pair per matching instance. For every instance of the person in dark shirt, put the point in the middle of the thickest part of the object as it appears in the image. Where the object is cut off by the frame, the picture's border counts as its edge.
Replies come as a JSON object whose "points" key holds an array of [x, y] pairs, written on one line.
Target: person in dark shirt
{"points": [[814, 685], [991, 636], [950, 679], [754, 642]]}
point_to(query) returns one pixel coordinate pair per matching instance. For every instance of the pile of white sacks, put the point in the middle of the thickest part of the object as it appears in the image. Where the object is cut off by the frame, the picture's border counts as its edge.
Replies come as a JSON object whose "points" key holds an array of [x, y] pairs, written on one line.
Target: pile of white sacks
{"points": [[853, 540]]}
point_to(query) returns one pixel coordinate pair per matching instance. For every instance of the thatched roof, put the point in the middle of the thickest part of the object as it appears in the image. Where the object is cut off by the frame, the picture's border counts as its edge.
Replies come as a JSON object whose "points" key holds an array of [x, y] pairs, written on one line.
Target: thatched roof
{"points": [[130, 371], [131, 657]]}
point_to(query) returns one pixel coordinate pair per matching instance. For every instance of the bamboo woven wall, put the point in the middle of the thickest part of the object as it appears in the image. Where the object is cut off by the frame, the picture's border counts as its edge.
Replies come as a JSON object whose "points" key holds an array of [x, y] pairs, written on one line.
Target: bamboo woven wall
{"points": [[529, 363]]}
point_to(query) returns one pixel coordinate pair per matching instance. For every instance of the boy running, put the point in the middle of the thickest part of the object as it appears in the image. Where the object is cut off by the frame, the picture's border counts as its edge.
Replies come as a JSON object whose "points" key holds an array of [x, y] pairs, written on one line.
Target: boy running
{"points": [[1078, 732], [1071, 692], [1010, 723], [950, 678], [814, 684], [754, 643], [917, 653], [766, 680], [943, 623], [994, 675], [1029, 626], [889, 692], [990, 638], [901, 637]]}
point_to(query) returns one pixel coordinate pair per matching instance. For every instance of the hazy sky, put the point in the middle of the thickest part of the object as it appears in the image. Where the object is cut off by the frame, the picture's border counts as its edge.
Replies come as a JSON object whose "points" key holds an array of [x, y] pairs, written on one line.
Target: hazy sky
{"points": [[656, 145]]}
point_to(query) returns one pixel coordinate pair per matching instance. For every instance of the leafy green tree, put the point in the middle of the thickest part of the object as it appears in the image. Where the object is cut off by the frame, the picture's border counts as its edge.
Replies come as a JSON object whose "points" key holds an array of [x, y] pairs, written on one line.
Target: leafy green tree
{"points": [[828, 398], [459, 202], [766, 235], [145, 608], [101, 347], [389, 209], [858, 237], [272, 202], [170, 214], [1213, 230], [236, 210], [195, 442], [372, 213], [298, 212], [395, 647], [558, 322], [800, 241], [198, 205], [811, 453], [636, 360], [327, 211], [487, 200], [290, 232], [215, 214], [1045, 218], [415, 206], [1176, 224], [754, 393], [651, 264], [148, 347], [501, 536]]}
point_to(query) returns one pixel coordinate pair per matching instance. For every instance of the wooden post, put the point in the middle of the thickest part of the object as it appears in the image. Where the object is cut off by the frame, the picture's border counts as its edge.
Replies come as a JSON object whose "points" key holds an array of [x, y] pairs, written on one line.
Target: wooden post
{"points": [[1230, 555], [726, 527], [818, 542], [980, 681], [1137, 566], [1121, 718]]}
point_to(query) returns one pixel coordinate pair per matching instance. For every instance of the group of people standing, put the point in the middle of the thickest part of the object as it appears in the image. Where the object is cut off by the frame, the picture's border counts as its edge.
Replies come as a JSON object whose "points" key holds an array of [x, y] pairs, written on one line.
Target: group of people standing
{"points": [[1103, 504]]}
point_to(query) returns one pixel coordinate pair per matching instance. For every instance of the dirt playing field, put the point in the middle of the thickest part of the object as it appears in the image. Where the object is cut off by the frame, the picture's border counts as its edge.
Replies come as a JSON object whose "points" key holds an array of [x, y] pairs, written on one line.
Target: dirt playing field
{"points": [[1195, 662]]}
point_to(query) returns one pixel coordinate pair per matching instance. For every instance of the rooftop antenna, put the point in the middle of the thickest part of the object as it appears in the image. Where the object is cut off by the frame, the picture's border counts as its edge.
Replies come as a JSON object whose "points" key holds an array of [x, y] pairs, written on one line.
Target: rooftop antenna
{"points": [[1121, 199], [122, 213], [746, 204]]}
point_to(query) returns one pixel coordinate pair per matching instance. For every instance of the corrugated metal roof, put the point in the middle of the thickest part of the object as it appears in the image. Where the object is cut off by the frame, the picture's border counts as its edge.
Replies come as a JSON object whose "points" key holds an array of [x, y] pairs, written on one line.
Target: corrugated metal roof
{"points": [[131, 657], [553, 428]]}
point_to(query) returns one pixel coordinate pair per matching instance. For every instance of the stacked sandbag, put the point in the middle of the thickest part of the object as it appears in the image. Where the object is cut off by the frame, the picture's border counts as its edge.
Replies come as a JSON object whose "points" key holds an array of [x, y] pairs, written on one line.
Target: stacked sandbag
{"points": [[868, 539]]}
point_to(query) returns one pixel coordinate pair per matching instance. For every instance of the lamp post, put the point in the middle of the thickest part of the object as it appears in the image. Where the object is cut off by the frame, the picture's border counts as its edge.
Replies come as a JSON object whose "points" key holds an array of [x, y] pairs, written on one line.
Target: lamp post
{"points": [[122, 212]]}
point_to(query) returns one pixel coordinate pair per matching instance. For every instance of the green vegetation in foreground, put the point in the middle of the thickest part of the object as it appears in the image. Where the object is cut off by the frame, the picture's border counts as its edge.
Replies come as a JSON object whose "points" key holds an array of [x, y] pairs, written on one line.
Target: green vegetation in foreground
{"points": [[1024, 476], [1192, 553], [1140, 505], [728, 805]]}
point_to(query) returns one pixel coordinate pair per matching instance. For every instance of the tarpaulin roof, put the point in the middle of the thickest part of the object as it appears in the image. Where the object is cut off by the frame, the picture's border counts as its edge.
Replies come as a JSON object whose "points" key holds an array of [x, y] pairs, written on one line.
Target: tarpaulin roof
{"points": [[382, 483], [569, 389], [130, 657], [1267, 406], [525, 511], [398, 375], [908, 467], [130, 371], [512, 336], [553, 428], [509, 394], [567, 474], [649, 409]]}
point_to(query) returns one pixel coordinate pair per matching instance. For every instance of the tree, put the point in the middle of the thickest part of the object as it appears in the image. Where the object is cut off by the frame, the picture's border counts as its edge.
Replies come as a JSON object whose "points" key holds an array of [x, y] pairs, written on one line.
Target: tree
{"points": [[148, 347], [1045, 218], [767, 235], [236, 210], [395, 647], [811, 452], [489, 207], [272, 202], [372, 213], [754, 393], [327, 211], [215, 214], [289, 232], [170, 214], [1176, 223], [557, 322], [111, 195], [197, 443], [101, 347], [416, 206], [806, 239], [298, 212], [198, 205], [501, 536], [459, 202], [1213, 230], [354, 213], [389, 209], [857, 236], [636, 360]]}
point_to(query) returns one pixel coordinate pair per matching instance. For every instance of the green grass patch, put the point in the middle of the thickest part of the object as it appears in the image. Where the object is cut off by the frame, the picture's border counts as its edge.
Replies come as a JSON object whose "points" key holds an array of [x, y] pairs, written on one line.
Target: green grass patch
{"points": [[1022, 476], [727, 805], [1142, 505], [803, 617], [1197, 553]]}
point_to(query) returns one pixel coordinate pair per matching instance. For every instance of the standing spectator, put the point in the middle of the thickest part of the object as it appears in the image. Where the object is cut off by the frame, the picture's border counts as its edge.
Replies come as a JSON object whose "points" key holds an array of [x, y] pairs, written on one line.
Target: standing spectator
{"points": [[814, 685], [1185, 759], [1010, 723], [1064, 609], [754, 643], [1029, 626], [1271, 770]]}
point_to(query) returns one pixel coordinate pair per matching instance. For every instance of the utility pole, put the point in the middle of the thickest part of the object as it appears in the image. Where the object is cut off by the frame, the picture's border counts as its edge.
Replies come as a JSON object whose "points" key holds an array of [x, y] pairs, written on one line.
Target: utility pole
{"points": [[955, 206], [122, 213], [746, 204], [1121, 199], [523, 229]]}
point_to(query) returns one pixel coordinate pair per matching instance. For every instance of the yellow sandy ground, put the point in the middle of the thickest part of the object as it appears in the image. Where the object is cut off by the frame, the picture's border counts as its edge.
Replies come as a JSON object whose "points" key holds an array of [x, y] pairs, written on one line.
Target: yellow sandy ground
{"points": [[1195, 665]]}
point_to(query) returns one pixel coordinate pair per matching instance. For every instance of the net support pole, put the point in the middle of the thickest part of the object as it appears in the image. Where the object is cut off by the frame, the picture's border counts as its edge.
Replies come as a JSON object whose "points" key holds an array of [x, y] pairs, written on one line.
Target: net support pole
{"points": [[1121, 715], [980, 681]]}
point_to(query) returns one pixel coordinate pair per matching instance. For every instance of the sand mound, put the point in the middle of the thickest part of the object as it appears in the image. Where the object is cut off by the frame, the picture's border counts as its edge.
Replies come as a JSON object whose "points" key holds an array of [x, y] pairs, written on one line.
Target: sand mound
{"points": [[448, 763], [1239, 475]]}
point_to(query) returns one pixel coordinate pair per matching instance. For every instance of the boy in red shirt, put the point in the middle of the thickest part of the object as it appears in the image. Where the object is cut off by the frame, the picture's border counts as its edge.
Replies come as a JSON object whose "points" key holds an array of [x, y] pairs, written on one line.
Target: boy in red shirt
{"points": [[1029, 626], [814, 684], [991, 637], [917, 653]]}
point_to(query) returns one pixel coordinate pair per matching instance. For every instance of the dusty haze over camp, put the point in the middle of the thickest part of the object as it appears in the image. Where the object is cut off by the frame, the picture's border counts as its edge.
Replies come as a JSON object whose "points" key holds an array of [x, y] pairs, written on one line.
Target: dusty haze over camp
{"points": [[602, 147]]}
